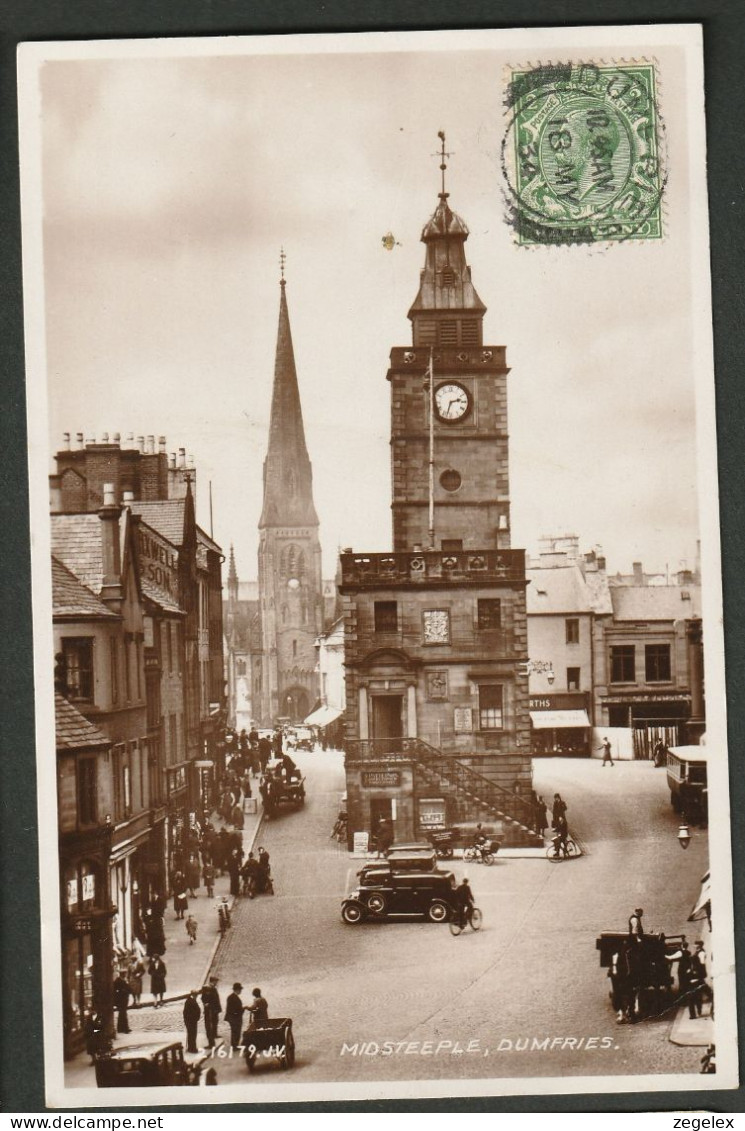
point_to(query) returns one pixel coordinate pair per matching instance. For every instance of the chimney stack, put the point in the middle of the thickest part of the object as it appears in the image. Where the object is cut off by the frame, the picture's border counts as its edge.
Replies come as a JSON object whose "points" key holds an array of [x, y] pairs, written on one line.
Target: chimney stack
{"points": [[79, 440], [141, 444], [151, 445], [638, 573], [117, 439], [111, 583], [161, 443], [182, 457], [66, 440], [130, 437], [172, 461]]}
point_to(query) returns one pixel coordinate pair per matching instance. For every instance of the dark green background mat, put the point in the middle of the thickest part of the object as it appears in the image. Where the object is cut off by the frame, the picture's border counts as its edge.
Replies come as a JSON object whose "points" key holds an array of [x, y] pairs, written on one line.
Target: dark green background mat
{"points": [[21, 1065]]}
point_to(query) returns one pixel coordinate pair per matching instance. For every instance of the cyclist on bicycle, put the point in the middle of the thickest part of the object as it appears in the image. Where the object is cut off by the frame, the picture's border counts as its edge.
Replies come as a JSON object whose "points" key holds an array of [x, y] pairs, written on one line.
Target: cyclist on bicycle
{"points": [[481, 842], [561, 828], [464, 901]]}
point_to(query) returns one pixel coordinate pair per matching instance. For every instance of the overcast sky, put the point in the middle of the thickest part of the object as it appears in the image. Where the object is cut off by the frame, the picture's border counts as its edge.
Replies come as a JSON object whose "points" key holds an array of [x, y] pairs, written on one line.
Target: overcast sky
{"points": [[169, 185]]}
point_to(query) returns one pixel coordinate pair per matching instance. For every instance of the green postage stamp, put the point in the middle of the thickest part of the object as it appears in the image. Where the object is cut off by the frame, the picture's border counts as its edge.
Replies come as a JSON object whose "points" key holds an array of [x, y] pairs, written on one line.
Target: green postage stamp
{"points": [[582, 154]]}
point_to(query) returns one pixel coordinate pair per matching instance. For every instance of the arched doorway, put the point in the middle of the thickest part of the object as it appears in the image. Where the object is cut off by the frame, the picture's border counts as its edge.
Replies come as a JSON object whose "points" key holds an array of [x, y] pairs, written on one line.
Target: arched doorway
{"points": [[294, 704]]}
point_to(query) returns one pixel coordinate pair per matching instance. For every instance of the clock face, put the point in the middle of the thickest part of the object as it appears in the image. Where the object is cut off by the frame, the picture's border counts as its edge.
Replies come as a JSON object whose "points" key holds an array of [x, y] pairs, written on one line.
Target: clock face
{"points": [[452, 401]]}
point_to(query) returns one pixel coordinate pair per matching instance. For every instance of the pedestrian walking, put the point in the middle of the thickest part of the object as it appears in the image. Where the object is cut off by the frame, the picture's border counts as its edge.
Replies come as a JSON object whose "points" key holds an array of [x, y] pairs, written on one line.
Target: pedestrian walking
{"points": [[192, 1013], [234, 1014], [157, 972], [180, 902], [689, 980], [192, 874], [607, 756], [208, 875], [122, 994], [134, 977], [258, 1009], [212, 1008], [265, 752], [558, 810], [191, 929]]}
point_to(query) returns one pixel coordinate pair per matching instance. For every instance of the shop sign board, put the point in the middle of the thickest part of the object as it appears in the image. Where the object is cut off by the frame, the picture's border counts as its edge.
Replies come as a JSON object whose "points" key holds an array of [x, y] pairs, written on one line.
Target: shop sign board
{"points": [[361, 843], [378, 778], [89, 886]]}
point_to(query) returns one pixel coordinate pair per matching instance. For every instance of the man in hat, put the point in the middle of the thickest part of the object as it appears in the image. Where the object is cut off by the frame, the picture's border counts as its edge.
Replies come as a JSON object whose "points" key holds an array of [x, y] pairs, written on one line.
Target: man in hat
{"points": [[212, 1009], [636, 927], [192, 1013], [234, 1014]]}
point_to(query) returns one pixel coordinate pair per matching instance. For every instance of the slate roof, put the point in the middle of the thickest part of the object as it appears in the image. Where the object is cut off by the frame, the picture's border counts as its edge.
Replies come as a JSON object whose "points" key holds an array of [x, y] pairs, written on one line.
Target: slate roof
{"points": [[159, 596], [76, 542], [559, 590], [73, 731], [205, 540], [166, 516], [656, 602], [70, 598]]}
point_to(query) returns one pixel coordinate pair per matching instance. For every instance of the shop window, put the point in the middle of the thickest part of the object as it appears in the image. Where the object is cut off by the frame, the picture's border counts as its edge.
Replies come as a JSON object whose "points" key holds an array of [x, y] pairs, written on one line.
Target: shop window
{"points": [[657, 663], [386, 616], [573, 679], [78, 657], [87, 791], [572, 630], [623, 663], [489, 613], [490, 706]]}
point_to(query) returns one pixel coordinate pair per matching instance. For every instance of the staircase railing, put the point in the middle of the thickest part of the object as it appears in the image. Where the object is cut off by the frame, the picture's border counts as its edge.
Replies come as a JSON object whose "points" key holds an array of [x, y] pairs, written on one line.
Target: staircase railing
{"points": [[448, 766]]}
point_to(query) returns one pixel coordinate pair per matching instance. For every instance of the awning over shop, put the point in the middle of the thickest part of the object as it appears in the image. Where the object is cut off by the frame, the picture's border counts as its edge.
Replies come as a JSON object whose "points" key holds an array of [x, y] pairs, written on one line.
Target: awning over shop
{"points": [[702, 907], [322, 716], [556, 720]]}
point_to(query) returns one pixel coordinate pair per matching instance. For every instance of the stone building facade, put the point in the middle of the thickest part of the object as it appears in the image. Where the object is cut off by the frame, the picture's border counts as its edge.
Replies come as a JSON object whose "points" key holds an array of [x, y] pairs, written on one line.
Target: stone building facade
{"points": [[437, 724]]}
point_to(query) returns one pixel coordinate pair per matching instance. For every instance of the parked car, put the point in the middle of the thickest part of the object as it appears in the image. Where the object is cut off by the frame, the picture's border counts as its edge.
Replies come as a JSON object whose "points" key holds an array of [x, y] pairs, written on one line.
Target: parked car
{"points": [[148, 1065], [421, 857], [384, 891]]}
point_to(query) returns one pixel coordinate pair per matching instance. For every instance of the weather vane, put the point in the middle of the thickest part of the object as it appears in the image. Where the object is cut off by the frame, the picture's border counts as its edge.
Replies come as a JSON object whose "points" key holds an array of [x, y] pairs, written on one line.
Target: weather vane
{"points": [[443, 154]]}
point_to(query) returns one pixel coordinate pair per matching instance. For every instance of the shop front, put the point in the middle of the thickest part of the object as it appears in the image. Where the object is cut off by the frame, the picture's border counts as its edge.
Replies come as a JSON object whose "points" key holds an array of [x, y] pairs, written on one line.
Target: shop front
{"points": [[87, 953], [381, 791], [560, 725]]}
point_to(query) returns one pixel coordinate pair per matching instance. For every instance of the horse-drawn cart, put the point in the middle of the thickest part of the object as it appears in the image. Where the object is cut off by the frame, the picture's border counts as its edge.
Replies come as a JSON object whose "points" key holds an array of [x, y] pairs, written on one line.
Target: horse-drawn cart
{"points": [[270, 1039], [639, 970]]}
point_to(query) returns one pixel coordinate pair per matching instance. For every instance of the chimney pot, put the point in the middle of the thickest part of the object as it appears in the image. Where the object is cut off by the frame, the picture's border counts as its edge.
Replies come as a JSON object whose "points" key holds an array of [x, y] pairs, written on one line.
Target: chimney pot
{"points": [[172, 460], [128, 497], [66, 440], [161, 443], [109, 495], [182, 457], [105, 438], [141, 443], [151, 445], [191, 461], [79, 439], [117, 439], [130, 437]]}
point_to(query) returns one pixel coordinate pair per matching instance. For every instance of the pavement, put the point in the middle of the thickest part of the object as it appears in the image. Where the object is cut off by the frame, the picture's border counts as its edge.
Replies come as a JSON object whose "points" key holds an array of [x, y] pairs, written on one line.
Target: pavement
{"points": [[188, 966]]}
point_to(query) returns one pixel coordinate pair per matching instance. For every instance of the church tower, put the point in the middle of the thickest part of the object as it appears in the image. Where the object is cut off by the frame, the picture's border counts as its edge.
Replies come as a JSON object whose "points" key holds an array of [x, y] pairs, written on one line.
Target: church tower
{"points": [[290, 589]]}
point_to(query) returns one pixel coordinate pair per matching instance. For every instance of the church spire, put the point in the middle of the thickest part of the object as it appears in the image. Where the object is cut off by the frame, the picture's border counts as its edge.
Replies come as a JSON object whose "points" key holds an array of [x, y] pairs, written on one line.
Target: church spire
{"points": [[288, 478], [232, 577]]}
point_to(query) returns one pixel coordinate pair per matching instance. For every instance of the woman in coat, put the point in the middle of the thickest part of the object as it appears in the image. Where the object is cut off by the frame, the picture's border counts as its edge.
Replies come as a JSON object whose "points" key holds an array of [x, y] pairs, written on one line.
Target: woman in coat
{"points": [[157, 972]]}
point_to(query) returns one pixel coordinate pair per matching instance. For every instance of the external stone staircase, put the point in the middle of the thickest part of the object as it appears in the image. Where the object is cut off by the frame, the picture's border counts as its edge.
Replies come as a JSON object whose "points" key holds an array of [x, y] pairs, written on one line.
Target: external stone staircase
{"points": [[511, 814]]}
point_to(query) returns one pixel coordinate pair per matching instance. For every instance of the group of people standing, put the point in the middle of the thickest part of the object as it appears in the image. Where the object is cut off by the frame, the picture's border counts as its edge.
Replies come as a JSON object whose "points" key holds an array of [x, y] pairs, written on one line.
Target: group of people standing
{"points": [[211, 1008]]}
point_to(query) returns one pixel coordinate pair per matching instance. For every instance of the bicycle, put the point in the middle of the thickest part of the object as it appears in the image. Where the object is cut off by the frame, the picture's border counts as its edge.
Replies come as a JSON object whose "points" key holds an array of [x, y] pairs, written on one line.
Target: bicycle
{"points": [[557, 852], [479, 854], [461, 918], [339, 831]]}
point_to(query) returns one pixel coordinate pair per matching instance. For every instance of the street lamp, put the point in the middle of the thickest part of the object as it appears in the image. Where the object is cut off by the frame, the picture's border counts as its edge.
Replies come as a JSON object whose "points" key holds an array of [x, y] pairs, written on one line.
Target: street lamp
{"points": [[544, 667], [684, 836]]}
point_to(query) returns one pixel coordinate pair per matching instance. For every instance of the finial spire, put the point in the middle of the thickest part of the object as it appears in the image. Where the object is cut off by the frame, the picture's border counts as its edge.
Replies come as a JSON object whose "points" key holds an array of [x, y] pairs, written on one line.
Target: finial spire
{"points": [[443, 154], [282, 259]]}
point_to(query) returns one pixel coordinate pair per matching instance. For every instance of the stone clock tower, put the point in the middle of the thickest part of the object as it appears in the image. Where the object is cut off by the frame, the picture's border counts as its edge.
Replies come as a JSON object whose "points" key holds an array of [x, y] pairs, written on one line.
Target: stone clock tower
{"points": [[290, 588], [457, 413], [437, 723]]}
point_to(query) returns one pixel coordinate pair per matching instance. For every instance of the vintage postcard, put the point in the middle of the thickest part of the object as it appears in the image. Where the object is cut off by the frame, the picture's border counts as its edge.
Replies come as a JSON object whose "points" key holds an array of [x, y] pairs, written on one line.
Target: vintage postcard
{"points": [[377, 610]]}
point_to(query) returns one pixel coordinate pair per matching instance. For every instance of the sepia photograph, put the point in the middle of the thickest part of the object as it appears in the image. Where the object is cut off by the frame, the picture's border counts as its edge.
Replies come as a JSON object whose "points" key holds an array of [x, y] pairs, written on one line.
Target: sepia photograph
{"points": [[378, 645]]}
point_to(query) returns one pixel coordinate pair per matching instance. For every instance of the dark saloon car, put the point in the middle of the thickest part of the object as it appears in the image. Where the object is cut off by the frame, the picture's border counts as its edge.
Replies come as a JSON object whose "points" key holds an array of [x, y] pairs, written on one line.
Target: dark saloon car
{"points": [[148, 1065], [384, 891]]}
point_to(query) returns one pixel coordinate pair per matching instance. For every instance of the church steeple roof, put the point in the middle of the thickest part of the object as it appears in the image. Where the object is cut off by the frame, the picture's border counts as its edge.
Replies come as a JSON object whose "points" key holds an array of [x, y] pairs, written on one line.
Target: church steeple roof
{"points": [[288, 477]]}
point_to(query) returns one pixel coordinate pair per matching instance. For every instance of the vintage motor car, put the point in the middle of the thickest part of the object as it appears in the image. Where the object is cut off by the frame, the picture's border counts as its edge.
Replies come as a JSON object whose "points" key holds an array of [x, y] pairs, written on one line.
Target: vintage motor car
{"points": [[146, 1065], [387, 892], [419, 857]]}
